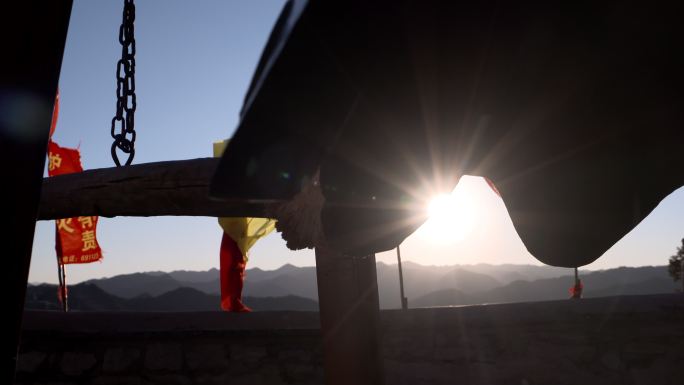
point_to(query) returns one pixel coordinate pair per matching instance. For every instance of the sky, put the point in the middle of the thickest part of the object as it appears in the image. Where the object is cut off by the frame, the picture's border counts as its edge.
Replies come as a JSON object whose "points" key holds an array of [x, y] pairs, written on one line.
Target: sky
{"points": [[195, 60]]}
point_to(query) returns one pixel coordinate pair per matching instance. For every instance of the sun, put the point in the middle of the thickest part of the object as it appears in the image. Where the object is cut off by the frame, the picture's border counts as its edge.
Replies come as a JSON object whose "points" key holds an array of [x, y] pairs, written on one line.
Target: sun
{"points": [[451, 218]]}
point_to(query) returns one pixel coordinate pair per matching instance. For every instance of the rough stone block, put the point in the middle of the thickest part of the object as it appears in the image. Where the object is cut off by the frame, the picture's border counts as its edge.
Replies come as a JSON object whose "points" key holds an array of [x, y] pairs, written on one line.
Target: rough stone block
{"points": [[29, 362], [397, 372], [169, 379], [75, 364], [164, 356], [49, 383], [611, 360], [206, 357], [118, 380], [294, 355], [645, 348], [296, 373], [213, 379], [268, 374], [658, 373], [446, 353], [247, 353], [119, 359]]}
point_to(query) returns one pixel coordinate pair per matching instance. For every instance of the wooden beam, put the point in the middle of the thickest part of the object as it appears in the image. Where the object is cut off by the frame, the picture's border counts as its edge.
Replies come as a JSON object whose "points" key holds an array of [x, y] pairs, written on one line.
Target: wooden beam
{"points": [[178, 188]]}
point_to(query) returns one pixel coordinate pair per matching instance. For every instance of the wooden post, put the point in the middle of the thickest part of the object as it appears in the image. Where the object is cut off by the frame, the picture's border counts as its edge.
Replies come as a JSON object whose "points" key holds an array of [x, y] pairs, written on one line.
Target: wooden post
{"points": [[33, 49], [63, 290], [349, 310], [404, 300]]}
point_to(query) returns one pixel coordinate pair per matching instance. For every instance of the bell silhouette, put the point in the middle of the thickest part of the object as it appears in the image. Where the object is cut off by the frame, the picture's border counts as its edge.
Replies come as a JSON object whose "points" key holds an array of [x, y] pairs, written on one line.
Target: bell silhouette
{"points": [[573, 110]]}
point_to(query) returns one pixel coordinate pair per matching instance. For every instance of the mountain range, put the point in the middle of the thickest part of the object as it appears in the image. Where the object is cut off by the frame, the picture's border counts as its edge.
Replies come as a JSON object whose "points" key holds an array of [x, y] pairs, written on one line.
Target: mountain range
{"points": [[294, 288]]}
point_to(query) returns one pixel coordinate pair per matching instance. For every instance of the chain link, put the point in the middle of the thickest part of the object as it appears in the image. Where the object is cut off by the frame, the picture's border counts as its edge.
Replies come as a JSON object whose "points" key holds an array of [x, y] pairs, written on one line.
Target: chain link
{"points": [[126, 102]]}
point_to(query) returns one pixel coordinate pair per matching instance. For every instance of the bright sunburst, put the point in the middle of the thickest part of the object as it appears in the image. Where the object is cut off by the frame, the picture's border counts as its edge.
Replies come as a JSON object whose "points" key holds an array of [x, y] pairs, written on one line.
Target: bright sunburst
{"points": [[451, 218]]}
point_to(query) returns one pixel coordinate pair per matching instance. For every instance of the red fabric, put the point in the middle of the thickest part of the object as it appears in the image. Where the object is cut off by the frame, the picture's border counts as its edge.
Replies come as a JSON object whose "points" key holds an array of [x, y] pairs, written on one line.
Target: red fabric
{"points": [[492, 186], [55, 115], [576, 290], [76, 237], [62, 160], [232, 276]]}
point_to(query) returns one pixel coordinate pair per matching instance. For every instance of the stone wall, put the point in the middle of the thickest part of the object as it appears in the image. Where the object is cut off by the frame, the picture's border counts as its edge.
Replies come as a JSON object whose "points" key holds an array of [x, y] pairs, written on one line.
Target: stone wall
{"points": [[617, 340], [172, 348]]}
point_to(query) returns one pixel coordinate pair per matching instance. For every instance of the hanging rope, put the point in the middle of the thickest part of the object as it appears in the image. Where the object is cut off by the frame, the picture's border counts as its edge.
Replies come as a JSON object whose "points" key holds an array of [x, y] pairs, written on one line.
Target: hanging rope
{"points": [[125, 89]]}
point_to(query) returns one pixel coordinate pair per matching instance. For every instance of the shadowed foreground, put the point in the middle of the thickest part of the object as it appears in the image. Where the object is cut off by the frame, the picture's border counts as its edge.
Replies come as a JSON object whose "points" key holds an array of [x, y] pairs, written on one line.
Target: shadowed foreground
{"points": [[613, 340]]}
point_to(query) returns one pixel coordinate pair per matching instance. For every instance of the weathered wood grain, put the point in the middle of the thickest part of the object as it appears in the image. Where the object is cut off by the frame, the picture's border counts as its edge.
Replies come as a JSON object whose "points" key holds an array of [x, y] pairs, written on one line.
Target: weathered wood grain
{"points": [[177, 188]]}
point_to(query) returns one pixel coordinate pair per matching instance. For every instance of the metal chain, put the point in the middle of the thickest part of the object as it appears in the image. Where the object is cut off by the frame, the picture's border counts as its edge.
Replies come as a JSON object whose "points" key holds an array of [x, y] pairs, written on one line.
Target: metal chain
{"points": [[125, 89]]}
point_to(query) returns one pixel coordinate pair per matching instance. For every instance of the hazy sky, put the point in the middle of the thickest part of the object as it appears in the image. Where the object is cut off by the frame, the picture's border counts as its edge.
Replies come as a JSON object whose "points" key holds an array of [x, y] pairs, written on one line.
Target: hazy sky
{"points": [[194, 62]]}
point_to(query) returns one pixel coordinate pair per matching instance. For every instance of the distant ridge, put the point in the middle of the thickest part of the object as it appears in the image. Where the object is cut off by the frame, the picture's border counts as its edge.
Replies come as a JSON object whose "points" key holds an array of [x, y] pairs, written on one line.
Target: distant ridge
{"points": [[295, 287], [89, 297]]}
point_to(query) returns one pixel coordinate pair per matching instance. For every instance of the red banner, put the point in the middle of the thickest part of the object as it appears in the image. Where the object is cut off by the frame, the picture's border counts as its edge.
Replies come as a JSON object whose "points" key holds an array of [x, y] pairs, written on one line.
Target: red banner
{"points": [[76, 240], [232, 276]]}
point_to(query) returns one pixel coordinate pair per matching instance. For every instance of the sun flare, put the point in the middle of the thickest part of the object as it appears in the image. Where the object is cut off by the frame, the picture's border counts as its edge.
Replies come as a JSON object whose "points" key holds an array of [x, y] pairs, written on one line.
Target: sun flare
{"points": [[451, 218]]}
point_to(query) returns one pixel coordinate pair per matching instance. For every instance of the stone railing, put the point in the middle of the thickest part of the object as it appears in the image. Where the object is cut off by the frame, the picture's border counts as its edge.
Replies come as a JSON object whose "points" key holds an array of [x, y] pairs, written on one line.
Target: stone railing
{"points": [[616, 340]]}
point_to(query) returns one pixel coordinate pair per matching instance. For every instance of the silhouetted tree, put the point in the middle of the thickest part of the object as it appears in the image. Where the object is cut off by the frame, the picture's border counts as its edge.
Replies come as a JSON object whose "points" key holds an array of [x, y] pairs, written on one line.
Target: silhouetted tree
{"points": [[675, 267]]}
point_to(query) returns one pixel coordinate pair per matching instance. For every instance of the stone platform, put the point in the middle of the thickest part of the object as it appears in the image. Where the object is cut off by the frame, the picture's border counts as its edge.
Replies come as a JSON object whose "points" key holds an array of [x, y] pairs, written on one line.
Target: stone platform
{"points": [[613, 340]]}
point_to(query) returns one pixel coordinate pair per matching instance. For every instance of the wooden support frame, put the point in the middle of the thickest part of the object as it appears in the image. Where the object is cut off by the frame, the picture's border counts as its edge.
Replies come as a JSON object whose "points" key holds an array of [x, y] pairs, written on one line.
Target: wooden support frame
{"points": [[179, 188], [36, 36], [347, 286]]}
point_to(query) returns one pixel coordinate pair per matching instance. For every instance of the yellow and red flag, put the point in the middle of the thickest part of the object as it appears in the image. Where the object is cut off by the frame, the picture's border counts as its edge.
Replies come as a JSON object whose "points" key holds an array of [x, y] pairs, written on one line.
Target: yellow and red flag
{"points": [[239, 235], [76, 240]]}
